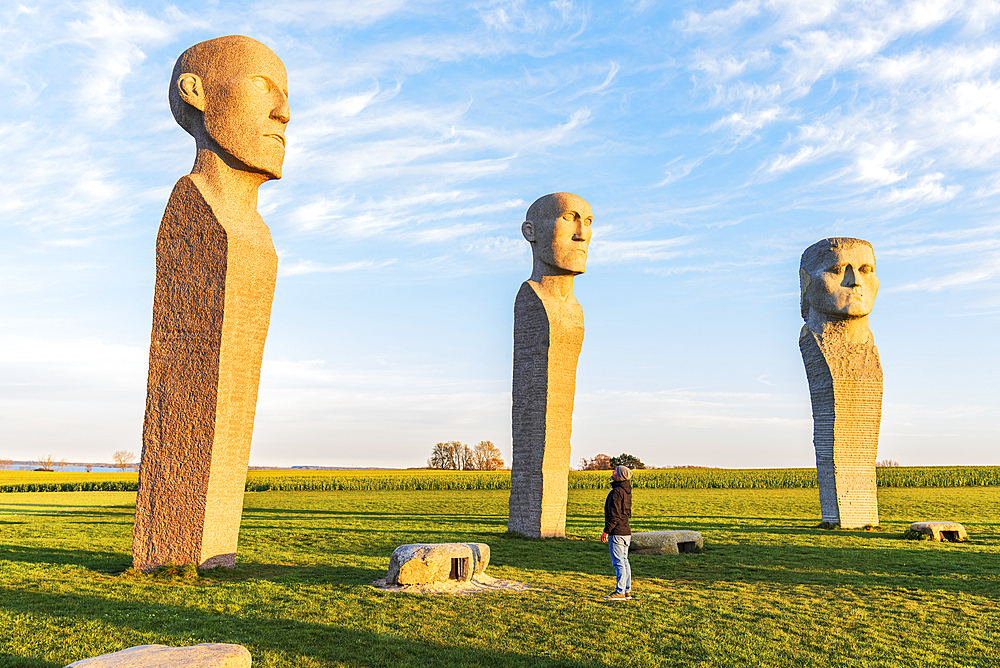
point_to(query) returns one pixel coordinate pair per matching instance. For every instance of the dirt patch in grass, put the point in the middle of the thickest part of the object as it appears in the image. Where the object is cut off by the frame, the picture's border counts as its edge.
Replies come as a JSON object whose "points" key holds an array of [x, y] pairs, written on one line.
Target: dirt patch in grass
{"points": [[477, 585]]}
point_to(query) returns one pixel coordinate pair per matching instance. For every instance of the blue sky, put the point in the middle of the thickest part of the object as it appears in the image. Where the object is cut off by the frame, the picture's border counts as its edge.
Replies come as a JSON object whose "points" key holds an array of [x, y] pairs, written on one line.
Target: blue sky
{"points": [[715, 141]]}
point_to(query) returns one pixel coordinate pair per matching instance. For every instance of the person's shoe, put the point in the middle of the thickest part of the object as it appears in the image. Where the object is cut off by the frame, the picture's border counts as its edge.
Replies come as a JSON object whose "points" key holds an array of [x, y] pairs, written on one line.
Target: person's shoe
{"points": [[628, 596], [616, 597]]}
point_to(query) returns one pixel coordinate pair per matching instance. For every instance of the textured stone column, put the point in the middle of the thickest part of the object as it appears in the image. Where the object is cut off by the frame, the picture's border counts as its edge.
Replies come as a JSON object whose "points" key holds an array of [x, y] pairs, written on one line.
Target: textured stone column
{"points": [[547, 341], [845, 385], [839, 286], [215, 276], [211, 309], [548, 334]]}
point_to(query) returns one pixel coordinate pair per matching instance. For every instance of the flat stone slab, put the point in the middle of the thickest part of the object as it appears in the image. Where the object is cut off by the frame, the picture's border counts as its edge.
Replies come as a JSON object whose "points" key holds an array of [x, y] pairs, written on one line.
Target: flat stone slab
{"points": [[666, 542], [206, 655], [423, 563], [946, 531]]}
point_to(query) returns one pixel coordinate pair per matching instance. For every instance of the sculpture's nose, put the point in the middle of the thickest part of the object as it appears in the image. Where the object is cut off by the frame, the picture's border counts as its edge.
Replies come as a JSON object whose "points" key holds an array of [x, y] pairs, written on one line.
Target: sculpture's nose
{"points": [[850, 278], [280, 111]]}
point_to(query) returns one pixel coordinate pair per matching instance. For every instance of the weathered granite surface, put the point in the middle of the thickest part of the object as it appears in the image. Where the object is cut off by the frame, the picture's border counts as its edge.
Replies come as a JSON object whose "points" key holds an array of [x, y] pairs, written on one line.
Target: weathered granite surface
{"points": [[207, 655], [422, 563], [215, 275], [548, 336], [942, 531], [665, 542], [839, 286]]}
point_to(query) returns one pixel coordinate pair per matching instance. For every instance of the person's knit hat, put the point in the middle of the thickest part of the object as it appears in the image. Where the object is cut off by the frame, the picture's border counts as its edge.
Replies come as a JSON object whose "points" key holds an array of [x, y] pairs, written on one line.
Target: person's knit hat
{"points": [[624, 472]]}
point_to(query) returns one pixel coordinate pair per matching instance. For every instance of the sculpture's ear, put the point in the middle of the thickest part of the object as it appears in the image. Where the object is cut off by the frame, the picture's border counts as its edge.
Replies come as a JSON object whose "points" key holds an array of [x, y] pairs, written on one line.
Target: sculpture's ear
{"points": [[528, 230], [191, 90]]}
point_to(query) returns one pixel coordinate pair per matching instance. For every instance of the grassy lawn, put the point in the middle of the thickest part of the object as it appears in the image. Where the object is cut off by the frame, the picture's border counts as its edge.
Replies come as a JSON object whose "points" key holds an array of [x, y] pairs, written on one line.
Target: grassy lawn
{"points": [[769, 590]]}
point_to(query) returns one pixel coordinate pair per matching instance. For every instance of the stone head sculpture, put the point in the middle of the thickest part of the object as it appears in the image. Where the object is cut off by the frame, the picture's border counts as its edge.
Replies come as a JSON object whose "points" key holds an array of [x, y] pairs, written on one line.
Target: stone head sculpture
{"points": [[838, 288], [231, 95], [558, 228], [837, 281], [215, 274], [548, 335]]}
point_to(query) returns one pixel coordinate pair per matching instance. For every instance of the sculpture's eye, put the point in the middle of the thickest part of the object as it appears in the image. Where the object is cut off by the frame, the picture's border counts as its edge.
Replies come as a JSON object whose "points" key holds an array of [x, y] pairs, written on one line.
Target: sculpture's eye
{"points": [[588, 221], [568, 216], [261, 83], [866, 269]]}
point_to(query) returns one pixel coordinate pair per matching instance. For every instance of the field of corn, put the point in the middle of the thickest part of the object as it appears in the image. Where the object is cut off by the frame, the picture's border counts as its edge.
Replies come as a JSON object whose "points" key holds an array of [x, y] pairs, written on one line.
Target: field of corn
{"points": [[425, 480]]}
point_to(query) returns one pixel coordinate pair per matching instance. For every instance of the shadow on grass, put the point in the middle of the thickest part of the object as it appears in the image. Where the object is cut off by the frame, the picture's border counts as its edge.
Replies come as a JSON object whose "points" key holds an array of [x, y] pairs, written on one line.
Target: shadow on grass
{"points": [[179, 625], [103, 562], [113, 563], [14, 661], [318, 574], [930, 567]]}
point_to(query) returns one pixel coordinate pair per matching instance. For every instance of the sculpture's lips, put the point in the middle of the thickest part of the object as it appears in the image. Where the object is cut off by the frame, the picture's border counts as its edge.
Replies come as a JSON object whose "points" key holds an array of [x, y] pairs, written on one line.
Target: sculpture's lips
{"points": [[278, 138]]}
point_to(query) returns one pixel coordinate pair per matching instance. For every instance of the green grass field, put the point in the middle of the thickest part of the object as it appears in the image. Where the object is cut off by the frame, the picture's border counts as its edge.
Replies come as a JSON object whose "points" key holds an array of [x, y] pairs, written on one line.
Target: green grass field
{"points": [[770, 589], [423, 480]]}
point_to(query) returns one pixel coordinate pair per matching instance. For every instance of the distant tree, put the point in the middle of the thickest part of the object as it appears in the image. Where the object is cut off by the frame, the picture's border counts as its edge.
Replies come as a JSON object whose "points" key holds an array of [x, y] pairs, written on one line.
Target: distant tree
{"points": [[486, 457], [886, 462], [598, 463], [123, 458], [451, 456], [463, 455], [89, 468], [62, 464], [628, 460], [440, 458], [6, 463], [46, 463]]}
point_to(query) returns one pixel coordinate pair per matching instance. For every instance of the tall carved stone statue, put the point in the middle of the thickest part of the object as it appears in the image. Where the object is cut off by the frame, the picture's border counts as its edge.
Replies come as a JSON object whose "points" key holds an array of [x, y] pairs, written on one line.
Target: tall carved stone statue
{"points": [[548, 334], [215, 274], [839, 285]]}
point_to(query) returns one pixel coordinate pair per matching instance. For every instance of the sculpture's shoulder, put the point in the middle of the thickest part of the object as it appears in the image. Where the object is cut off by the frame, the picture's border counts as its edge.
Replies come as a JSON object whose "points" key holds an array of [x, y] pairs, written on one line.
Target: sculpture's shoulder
{"points": [[527, 294], [186, 195], [809, 344], [187, 211]]}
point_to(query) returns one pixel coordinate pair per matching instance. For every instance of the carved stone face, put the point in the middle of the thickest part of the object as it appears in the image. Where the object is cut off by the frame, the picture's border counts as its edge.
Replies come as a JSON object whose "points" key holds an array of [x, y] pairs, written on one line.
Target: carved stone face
{"points": [[561, 235], [246, 108], [843, 282]]}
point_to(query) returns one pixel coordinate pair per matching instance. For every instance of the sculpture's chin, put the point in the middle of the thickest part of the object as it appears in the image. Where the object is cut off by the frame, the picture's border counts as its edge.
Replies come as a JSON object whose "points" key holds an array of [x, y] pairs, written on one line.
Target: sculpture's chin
{"points": [[857, 310]]}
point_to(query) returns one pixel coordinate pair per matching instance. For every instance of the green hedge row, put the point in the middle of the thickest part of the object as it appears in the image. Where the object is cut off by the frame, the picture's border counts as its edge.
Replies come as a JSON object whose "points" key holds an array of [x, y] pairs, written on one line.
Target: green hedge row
{"points": [[293, 481]]}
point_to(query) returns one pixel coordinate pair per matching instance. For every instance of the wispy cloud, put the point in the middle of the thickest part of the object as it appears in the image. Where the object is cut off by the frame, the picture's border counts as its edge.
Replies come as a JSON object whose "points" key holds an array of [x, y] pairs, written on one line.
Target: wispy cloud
{"points": [[301, 267], [116, 37], [318, 14], [615, 251]]}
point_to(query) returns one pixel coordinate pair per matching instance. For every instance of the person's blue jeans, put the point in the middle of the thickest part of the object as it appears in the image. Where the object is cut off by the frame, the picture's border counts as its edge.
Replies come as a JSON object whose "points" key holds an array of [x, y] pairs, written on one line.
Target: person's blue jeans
{"points": [[619, 558]]}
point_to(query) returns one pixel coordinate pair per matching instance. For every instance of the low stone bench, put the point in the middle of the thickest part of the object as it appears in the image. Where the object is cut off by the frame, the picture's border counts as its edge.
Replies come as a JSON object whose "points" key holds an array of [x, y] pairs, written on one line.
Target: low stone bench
{"points": [[207, 655], [423, 563], [949, 531], [666, 542]]}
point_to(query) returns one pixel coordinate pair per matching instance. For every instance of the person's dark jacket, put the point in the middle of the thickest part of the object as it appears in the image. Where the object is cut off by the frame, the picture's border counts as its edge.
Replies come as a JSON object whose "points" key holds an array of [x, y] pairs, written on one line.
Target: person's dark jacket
{"points": [[618, 509]]}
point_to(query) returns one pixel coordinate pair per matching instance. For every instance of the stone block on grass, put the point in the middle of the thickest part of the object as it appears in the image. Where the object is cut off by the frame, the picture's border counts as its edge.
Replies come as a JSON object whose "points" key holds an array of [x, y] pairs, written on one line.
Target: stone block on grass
{"points": [[666, 542], [206, 655], [423, 563], [942, 531]]}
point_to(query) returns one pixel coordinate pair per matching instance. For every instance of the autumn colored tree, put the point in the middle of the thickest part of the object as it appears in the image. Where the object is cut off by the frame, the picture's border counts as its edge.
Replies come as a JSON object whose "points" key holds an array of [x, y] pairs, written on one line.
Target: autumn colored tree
{"points": [[598, 463], [486, 457]]}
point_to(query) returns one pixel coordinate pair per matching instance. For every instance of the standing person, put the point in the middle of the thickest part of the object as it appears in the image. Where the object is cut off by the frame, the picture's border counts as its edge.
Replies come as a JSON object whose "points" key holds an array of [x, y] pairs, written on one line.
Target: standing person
{"points": [[617, 532]]}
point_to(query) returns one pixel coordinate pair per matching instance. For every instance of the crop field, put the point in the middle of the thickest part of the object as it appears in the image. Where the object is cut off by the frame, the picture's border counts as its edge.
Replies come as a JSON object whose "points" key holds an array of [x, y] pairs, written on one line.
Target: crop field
{"points": [[770, 589], [423, 480]]}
